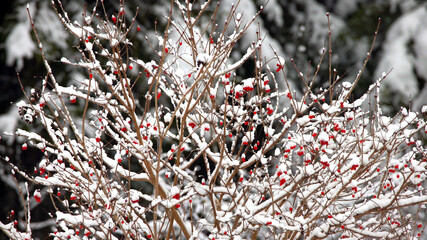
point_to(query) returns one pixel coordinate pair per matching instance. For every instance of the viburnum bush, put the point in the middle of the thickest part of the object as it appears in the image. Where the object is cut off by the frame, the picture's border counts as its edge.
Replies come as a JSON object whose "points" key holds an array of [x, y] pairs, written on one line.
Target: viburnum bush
{"points": [[181, 147]]}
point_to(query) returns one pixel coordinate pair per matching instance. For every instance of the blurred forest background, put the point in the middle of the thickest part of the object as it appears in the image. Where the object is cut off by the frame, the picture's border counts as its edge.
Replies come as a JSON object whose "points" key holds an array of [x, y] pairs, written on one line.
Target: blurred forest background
{"points": [[296, 29]]}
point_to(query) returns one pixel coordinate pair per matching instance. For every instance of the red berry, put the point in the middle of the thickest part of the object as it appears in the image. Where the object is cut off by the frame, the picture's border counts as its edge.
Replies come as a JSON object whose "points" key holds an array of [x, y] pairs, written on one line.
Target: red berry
{"points": [[37, 197], [279, 67]]}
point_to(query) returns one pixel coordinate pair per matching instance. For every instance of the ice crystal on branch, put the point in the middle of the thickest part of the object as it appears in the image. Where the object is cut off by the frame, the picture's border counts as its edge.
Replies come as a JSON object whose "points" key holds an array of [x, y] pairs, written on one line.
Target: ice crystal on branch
{"points": [[180, 146]]}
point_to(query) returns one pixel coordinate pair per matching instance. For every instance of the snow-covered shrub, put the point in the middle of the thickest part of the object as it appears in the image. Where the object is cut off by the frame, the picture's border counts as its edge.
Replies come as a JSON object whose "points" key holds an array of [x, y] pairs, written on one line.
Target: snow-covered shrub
{"points": [[182, 147]]}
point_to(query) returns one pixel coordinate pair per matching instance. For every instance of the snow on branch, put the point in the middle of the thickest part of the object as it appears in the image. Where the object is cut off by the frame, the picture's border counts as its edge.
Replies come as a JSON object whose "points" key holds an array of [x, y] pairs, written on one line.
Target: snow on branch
{"points": [[180, 146]]}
